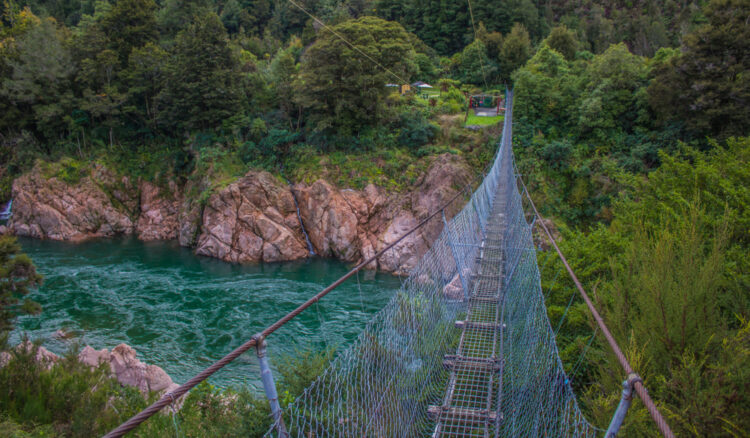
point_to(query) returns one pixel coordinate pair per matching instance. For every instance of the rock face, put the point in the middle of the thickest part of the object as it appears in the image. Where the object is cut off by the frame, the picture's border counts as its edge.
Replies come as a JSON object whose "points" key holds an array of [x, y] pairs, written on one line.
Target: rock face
{"points": [[353, 226], [253, 219], [52, 209], [159, 211], [190, 216], [100, 205]]}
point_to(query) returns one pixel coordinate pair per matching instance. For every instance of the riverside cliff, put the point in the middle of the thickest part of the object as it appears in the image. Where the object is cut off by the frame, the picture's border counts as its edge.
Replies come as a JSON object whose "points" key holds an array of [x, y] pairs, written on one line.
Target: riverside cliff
{"points": [[250, 220]]}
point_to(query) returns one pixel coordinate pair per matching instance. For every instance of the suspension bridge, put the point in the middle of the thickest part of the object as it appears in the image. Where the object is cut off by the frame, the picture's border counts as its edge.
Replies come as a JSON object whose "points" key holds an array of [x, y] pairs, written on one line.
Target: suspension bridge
{"points": [[464, 349]]}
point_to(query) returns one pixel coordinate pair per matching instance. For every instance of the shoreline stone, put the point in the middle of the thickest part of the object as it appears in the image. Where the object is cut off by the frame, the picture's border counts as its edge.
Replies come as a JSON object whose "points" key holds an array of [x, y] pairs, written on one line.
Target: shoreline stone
{"points": [[123, 363]]}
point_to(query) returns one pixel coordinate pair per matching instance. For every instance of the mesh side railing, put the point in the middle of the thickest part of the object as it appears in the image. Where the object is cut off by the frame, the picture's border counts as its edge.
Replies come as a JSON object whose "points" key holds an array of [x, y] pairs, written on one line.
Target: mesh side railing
{"points": [[384, 383], [537, 399]]}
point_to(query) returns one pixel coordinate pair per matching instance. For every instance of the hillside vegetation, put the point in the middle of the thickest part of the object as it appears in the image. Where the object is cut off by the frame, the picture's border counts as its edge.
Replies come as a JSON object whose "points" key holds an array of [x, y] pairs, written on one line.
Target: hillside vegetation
{"points": [[631, 132]]}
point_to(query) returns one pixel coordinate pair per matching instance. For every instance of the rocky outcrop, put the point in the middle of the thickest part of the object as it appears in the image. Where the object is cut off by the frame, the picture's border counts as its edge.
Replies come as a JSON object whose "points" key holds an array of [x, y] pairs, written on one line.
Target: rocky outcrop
{"points": [[253, 219], [52, 209], [42, 356], [127, 369], [355, 225], [100, 205], [332, 219], [123, 365]]}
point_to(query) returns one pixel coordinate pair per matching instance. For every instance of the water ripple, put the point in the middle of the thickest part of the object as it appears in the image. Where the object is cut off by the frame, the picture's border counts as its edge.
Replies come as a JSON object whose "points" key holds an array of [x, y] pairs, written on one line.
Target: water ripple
{"points": [[182, 312]]}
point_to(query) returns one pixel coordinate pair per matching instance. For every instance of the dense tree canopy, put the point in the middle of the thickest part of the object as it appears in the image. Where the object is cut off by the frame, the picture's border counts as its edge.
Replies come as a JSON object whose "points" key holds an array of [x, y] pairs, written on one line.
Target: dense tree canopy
{"points": [[202, 87], [706, 86], [630, 128], [343, 88]]}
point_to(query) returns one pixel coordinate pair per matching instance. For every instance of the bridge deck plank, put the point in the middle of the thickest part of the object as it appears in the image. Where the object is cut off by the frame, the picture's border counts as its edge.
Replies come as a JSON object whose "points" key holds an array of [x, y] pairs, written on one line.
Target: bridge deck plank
{"points": [[469, 405]]}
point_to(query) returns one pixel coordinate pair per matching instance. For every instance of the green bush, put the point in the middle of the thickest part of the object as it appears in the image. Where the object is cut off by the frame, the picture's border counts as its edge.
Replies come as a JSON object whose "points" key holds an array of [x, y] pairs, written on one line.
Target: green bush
{"points": [[72, 398], [67, 169], [416, 130]]}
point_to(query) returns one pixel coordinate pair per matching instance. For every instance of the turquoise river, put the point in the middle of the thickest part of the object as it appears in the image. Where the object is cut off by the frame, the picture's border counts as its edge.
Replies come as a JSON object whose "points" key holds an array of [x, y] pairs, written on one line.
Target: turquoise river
{"points": [[182, 312]]}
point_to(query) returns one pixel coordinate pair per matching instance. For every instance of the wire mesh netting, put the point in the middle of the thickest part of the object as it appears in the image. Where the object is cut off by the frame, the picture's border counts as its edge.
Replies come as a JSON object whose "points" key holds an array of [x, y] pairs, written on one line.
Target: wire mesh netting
{"points": [[463, 349]]}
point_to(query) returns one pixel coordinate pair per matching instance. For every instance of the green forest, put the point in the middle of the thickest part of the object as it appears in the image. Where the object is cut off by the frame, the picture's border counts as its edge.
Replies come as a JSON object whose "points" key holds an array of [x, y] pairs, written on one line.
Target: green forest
{"points": [[631, 131]]}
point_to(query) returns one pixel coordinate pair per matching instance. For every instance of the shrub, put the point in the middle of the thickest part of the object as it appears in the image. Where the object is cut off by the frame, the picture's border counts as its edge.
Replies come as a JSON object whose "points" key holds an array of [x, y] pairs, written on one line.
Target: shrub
{"points": [[416, 130], [73, 398]]}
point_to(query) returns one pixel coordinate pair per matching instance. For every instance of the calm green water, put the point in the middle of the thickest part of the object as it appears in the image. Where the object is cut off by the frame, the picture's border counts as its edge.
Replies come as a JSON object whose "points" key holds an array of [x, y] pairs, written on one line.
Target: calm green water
{"points": [[182, 312]]}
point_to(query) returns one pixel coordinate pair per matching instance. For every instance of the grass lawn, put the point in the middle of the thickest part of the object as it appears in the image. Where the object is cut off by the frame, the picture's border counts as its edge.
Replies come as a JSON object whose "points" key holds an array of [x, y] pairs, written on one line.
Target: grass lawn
{"points": [[483, 121]]}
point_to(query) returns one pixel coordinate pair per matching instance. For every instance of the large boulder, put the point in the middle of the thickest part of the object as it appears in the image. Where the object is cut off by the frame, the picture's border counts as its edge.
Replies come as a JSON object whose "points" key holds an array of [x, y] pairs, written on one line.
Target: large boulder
{"points": [[331, 218], [253, 219], [127, 369], [94, 358]]}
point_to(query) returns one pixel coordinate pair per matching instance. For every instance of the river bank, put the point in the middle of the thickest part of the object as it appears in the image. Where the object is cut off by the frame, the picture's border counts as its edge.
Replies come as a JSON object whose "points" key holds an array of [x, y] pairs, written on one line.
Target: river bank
{"points": [[256, 218]]}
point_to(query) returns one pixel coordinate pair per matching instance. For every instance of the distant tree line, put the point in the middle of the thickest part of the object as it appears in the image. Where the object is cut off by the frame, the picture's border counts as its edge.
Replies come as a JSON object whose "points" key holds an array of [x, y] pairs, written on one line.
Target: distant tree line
{"points": [[78, 74]]}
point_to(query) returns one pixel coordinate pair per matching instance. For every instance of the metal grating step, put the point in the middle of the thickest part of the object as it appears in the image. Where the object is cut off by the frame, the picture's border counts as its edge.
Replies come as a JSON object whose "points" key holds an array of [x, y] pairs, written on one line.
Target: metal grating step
{"points": [[477, 325], [464, 363], [485, 299], [448, 413], [486, 276]]}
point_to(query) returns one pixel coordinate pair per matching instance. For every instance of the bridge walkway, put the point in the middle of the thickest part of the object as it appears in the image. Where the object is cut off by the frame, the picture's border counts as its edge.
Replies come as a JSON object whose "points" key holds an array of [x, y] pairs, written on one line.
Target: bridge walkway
{"points": [[470, 404]]}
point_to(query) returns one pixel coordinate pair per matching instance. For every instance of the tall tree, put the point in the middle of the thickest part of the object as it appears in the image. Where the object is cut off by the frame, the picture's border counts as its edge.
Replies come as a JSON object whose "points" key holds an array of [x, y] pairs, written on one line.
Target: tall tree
{"points": [[284, 72], [130, 24], [39, 85], [175, 15], [341, 86], [203, 84], [476, 66], [564, 41], [145, 77], [708, 86], [516, 50], [613, 100], [444, 26]]}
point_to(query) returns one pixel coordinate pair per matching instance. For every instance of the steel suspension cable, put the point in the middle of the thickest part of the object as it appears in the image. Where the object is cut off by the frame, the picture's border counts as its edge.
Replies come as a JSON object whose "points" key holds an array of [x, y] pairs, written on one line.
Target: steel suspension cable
{"points": [[640, 389]]}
